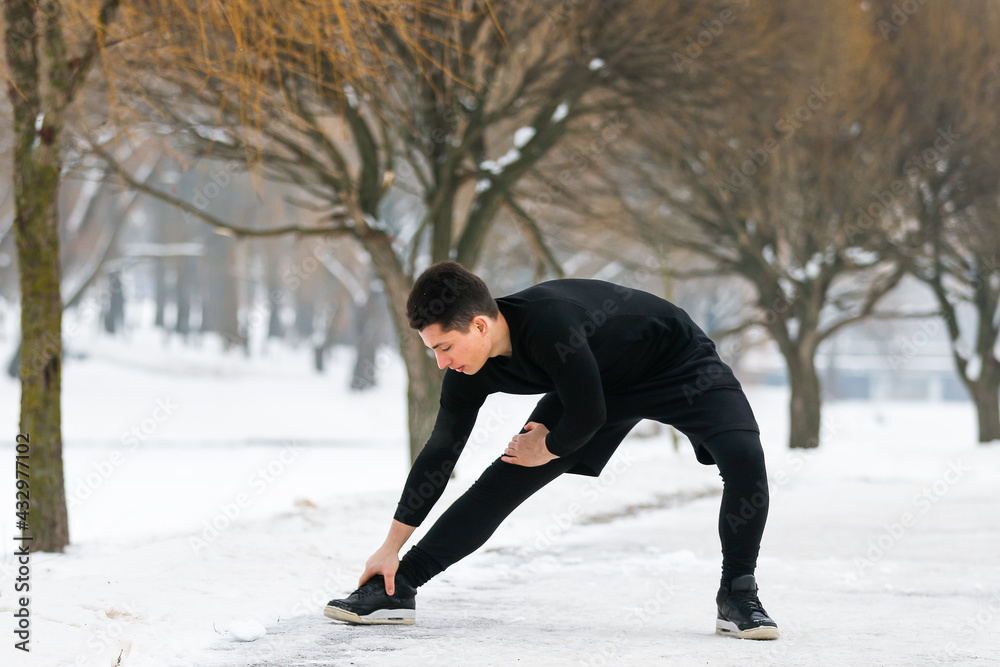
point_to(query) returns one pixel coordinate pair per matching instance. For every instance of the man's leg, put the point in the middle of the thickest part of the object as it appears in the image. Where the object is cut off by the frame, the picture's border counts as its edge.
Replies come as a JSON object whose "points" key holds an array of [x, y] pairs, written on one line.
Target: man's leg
{"points": [[469, 522], [741, 524], [472, 519], [744, 500]]}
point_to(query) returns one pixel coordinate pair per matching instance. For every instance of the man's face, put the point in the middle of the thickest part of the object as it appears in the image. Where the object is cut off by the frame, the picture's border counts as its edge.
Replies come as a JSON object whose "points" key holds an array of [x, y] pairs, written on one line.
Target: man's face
{"points": [[465, 352]]}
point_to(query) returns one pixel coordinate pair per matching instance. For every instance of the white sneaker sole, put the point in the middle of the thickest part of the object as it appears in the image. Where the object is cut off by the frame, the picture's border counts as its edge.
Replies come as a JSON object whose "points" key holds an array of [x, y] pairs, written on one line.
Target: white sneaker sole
{"points": [[729, 629], [380, 617]]}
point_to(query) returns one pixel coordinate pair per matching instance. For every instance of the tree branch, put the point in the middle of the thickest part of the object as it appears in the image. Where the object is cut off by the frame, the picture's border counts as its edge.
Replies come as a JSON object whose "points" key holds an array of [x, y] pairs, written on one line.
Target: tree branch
{"points": [[86, 59], [220, 225], [534, 234]]}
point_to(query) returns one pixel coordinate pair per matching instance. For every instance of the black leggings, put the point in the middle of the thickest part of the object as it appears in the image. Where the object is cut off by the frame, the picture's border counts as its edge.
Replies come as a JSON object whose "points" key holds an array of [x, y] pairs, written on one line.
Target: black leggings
{"points": [[472, 518]]}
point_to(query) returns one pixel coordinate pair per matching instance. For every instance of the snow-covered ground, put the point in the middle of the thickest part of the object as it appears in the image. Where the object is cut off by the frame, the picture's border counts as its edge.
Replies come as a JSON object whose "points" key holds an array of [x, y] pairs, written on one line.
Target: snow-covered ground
{"points": [[214, 497]]}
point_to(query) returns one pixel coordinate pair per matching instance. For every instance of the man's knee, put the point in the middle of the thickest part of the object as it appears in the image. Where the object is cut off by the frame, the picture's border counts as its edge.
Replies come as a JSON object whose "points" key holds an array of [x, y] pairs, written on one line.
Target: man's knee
{"points": [[738, 453]]}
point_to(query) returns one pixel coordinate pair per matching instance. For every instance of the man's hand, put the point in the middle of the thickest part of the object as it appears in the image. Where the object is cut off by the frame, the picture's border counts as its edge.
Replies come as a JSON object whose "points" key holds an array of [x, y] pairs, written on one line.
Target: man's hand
{"points": [[385, 561], [528, 449]]}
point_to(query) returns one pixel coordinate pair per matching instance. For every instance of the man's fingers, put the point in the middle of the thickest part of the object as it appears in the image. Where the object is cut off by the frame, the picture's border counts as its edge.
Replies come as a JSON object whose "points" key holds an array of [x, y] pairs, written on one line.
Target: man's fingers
{"points": [[390, 583]]}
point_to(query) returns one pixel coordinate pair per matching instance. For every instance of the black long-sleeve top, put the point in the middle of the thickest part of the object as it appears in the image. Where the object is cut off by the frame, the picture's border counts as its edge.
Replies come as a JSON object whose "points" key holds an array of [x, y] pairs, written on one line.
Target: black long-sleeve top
{"points": [[587, 340]]}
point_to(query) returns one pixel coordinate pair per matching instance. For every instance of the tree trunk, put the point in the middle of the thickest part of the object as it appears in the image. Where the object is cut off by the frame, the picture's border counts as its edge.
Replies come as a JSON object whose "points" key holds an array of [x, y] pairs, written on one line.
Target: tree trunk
{"points": [[804, 407], [38, 115], [36, 173], [364, 375], [41, 356], [304, 312], [41, 352], [114, 316], [423, 391], [275, 328], [184, 286], [160, 287], [986, 394], [220, 313], [370, 325]]}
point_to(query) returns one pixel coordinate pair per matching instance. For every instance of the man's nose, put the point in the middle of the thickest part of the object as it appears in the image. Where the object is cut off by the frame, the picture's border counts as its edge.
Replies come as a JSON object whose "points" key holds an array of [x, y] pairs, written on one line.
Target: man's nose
{"points": [[443, 361]]}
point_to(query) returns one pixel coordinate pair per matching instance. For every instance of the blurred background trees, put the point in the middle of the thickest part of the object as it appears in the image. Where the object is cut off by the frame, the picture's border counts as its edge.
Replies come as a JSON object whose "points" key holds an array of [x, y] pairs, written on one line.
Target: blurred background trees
{"points": [[279, 175], [763, 187], [414, 160], [949, 159]]}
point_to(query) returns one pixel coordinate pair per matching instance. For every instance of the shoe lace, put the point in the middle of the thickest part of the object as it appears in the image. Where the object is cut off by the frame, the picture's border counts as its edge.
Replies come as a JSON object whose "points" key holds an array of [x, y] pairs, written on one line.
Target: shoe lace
{"points": [[747, 602], [367, 590]]}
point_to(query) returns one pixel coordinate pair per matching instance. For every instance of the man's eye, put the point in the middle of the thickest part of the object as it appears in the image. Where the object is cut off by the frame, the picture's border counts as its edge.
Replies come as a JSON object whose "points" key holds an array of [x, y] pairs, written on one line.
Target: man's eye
{"points": [[445, 349]]}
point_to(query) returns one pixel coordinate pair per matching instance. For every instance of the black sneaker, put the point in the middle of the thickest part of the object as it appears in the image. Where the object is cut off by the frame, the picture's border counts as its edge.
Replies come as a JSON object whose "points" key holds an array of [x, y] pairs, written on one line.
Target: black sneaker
{"points": [[370, 604], [740, 612]]}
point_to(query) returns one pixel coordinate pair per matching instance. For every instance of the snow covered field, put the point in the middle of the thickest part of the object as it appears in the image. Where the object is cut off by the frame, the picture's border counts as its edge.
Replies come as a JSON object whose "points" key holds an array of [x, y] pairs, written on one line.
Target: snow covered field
{"points": [[213, 497]]}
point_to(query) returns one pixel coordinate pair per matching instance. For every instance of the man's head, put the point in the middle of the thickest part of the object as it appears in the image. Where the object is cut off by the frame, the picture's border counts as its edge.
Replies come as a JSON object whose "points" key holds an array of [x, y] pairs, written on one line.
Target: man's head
{"points": [[455, 314]]}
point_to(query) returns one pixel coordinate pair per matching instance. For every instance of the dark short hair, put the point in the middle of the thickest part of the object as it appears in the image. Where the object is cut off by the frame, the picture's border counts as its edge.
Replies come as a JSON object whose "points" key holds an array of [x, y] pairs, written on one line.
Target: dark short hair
{"points": [[449, 295]]}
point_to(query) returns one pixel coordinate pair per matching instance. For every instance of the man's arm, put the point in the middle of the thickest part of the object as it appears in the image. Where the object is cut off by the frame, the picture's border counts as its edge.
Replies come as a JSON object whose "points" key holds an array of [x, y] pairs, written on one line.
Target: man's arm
{"points": [[424, 485], [577, 379], [429, 475], [432, 468]]}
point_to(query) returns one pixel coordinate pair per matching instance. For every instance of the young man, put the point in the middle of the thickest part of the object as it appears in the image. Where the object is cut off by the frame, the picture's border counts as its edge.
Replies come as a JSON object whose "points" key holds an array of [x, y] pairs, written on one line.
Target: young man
{"points": [[605, 357]]}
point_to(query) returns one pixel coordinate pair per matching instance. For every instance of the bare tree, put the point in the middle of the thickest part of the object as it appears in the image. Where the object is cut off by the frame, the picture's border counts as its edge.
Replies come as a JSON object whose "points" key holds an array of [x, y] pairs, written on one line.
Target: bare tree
{"points": [[458, 107], [45, 70], [947, 74], [50, 47], [765, 187]]}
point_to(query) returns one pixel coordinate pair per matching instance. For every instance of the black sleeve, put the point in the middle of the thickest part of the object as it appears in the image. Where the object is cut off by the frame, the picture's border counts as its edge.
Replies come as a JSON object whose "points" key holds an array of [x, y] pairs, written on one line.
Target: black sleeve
{"points": [[577, 379], [432, 469]]}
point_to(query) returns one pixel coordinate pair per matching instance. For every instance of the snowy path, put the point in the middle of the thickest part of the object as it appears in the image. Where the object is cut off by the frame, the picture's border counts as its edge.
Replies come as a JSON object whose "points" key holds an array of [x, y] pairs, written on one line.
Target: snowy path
{"points": [[639, 590], [882, 546]]}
